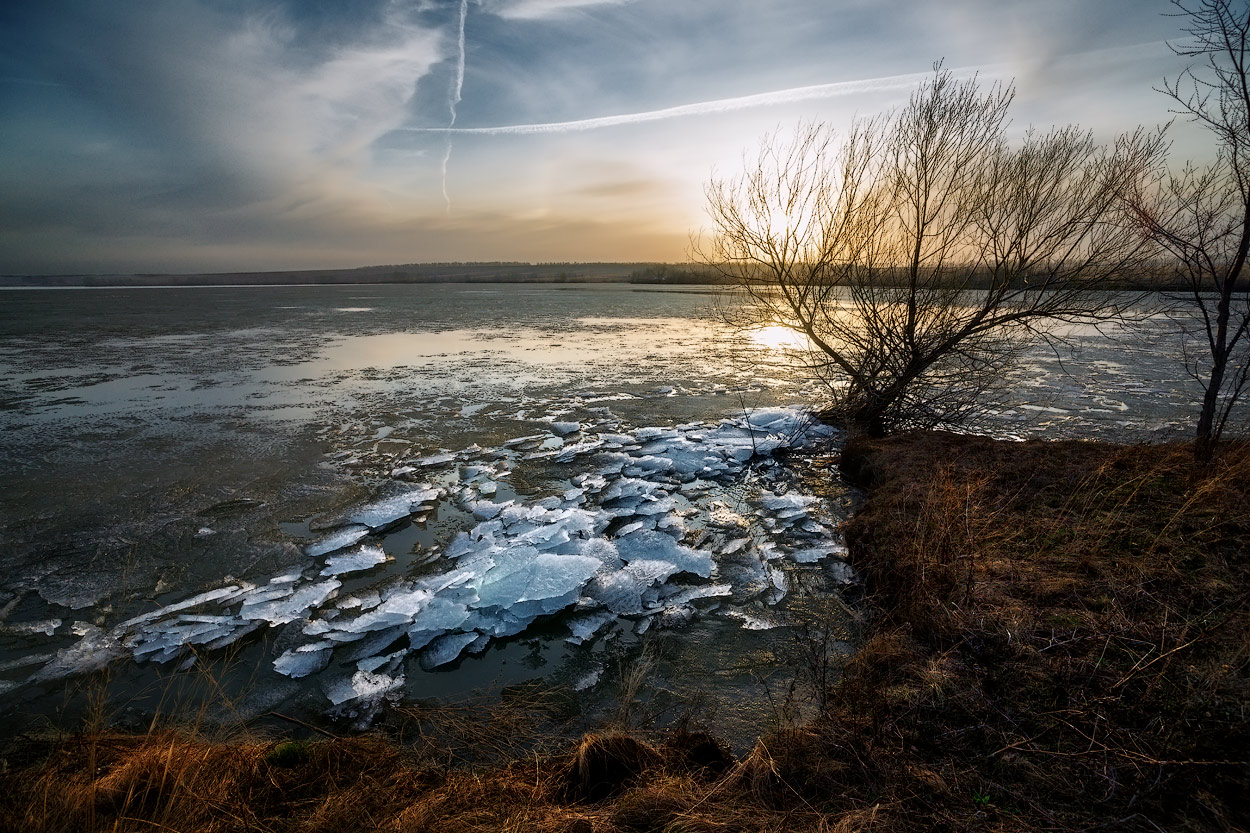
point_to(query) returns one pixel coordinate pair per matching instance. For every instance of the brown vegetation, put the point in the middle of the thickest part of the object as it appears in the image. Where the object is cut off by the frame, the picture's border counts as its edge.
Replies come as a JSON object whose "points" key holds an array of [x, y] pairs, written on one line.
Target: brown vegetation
{"points": [[1060, 640]]}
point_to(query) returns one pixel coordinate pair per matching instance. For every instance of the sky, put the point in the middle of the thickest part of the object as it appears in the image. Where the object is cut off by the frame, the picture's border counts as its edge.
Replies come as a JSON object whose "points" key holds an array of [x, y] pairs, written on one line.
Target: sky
{"points": [[232, 135]]}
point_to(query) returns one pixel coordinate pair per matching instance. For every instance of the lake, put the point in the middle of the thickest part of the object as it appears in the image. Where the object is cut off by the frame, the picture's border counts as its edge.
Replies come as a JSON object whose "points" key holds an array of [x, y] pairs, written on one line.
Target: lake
{"points": [[319, 499]]}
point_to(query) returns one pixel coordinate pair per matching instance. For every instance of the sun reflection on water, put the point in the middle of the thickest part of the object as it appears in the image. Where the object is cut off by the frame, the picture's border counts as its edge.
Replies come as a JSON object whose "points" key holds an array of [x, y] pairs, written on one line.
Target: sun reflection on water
{"points": [[779, 338]]}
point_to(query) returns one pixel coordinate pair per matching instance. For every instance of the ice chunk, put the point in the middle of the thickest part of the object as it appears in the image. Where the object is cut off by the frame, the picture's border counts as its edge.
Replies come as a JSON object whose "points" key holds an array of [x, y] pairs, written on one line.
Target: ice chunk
{"points": [[282, 610], [221, 595], [363, 602], [433, 460], [622, 591], [94, 651], [364, 686], [573, 450], [588, 681], [484, 510], [810, 555], [656, 546], [752, 620], [353, 562], [383, 513], [635, 526], [602, 549], [735, 545], [587, 625], [304, 659], [781, 585], [565, 428], [841, 572], [440, 615], [47, 627], [686, 595], [342, 539], [446, 648], [528, 575]]}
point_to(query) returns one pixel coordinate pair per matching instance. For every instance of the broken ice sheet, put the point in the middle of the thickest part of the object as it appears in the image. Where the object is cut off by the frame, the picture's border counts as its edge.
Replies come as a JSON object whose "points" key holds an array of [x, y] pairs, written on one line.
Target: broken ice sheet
{"points": [[47, 627], [446, 648], [285, 609], [586, 625], [353, 562], [364, 686], [526, 574], [94, 651], [339, 540], [304, 659], [589, 680], [381, 514], [657, 546]]}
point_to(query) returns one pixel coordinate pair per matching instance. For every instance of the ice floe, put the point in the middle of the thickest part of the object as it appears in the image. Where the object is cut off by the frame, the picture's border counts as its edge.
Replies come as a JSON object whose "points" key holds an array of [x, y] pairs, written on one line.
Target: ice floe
{"points": [[657, 525]]}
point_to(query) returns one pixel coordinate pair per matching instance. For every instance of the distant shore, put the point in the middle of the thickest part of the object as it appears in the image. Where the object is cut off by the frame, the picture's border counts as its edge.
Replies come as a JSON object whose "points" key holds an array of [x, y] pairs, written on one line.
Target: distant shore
{"points": [[416, 273], [661, 274]]}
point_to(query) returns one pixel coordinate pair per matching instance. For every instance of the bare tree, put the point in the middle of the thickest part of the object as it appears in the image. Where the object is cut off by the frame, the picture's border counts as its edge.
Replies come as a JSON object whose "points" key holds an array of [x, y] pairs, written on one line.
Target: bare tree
{"points": [[1201, 215], [919, 253]]}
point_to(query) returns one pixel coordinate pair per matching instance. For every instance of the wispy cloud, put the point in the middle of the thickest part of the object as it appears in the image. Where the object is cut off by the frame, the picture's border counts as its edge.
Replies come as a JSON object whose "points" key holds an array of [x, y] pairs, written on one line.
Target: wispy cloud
{"points": [[791, 95], [701, 108], [536, 9]]}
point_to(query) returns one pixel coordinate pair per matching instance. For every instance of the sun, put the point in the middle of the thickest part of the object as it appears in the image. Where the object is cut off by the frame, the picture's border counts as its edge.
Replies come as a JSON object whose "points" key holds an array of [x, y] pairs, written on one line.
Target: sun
{"points": [[776, 337]]}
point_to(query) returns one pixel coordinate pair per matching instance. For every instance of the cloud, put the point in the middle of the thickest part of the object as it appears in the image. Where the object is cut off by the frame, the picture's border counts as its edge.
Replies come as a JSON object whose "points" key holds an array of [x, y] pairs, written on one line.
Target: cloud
{"points": [[702, 108], [174, 118], [1098, 58], [538, 9]]}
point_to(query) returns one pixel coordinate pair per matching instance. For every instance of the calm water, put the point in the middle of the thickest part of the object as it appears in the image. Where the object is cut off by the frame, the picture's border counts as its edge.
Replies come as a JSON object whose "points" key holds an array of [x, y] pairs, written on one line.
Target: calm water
{"points": [[158, 443]]}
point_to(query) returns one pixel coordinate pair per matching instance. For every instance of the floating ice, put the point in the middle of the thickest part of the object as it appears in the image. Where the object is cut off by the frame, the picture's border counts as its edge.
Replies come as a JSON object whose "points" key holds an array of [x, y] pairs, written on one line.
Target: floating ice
{"points": [[93, 652], [841, 572], [304, 659], [353, 562], [285, 609], [527, 575], [340, 540], [588, 681], [446, 648], [656, 546], [364, 686], [587, 625], [433, 460], [647, 506], [384, 513], [47, 627]]}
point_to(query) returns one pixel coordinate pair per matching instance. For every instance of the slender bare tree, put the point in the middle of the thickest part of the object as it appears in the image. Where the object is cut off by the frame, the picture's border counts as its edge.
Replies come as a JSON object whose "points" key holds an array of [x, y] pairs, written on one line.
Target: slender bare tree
{"points": [[1201, 214], [919, 253]]}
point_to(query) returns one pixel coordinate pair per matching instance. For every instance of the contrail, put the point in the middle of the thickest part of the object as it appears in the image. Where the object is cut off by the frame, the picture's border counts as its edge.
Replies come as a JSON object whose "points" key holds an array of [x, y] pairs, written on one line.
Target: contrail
{"points": [[723, 105], [453, 100], [788, 96]]}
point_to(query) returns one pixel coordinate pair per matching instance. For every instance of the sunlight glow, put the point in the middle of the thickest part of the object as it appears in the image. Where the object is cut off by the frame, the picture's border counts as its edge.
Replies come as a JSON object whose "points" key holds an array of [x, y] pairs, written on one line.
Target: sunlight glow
{"points": [[779, 338]]}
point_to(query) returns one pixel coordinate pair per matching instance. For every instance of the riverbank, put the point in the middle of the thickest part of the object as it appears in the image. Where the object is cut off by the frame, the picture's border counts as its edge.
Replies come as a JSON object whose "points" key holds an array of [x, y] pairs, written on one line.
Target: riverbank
{"points": [[1059, 639]]}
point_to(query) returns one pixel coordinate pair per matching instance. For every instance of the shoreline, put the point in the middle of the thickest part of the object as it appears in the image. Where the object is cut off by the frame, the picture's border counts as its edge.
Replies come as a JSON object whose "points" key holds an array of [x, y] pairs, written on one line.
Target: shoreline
{"points": [[1056, 642]]}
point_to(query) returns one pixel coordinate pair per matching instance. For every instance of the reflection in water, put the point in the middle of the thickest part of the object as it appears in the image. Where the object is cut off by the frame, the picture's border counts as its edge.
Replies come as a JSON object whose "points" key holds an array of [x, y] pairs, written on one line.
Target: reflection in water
{"points": [[779, 338]]}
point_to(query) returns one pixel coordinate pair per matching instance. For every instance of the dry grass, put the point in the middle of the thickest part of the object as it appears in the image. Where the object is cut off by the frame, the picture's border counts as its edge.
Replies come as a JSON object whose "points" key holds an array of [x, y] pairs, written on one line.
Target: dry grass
{"points": [[1059, 640], [1063, 637]]}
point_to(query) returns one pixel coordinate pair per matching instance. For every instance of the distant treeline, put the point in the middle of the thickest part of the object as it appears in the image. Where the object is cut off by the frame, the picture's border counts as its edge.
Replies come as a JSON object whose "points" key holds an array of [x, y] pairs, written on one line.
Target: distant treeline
{"points": [[493, 272], [501, 272]]}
